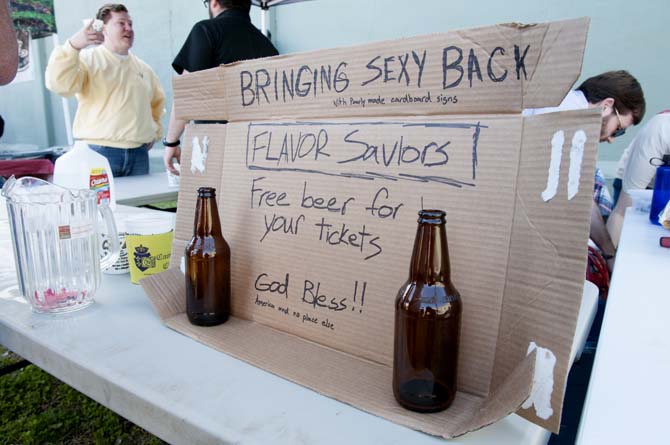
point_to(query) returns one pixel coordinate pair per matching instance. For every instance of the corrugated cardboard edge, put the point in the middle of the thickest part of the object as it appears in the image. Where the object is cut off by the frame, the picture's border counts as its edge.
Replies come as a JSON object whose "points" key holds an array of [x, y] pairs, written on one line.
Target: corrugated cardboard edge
{"points": [[361, 383]]}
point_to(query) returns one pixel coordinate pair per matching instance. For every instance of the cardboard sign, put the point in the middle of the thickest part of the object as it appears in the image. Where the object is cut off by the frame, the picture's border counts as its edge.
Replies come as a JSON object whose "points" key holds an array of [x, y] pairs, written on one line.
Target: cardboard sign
{"points": [[319, 194], [498, 69]]}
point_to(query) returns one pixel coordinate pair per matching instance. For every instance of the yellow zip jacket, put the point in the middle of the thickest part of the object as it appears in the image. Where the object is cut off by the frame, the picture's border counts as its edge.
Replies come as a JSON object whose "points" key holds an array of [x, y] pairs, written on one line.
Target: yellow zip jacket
{"points": [[121, 101]]}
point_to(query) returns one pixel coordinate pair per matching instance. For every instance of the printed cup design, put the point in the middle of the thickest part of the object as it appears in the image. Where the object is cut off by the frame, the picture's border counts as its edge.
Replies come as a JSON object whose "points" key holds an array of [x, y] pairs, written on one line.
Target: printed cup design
{"points": [[143, 258], [148, 254]]}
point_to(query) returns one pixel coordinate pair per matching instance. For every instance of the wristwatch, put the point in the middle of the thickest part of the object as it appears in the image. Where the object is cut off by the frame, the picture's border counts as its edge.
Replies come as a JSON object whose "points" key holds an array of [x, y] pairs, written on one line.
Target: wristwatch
{"points": [[171, 144]]}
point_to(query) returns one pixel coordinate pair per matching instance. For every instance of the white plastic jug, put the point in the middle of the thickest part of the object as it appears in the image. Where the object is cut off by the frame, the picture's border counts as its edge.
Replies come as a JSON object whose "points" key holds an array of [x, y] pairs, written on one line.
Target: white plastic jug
{"points": [[83, 168]]}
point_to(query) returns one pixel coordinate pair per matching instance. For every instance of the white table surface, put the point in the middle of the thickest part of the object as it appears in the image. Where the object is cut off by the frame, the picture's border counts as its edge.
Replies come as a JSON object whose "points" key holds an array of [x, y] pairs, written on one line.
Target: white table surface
{"points": [[120, 354], [144, 189], [627, 398]]}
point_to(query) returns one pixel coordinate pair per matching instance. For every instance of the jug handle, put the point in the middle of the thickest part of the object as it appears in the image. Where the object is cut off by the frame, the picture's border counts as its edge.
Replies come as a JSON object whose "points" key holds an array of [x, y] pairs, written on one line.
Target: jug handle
{"points": [[113, 255]]}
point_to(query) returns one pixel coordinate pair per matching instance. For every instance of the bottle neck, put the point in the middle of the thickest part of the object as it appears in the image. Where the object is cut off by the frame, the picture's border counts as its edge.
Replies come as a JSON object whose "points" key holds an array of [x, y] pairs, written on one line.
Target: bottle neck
{"points": [[80, 146], [206, 218], [430, 258]]}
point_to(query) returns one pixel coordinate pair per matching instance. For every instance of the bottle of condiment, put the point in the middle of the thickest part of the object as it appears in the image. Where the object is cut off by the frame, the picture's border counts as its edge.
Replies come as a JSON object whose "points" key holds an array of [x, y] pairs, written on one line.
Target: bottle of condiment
{"points": [[207, 259], [661, 189], [427, 323]]}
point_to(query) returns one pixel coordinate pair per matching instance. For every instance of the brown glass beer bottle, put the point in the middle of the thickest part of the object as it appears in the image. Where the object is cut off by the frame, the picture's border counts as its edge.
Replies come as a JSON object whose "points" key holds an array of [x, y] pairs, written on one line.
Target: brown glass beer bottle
{"points": [[427, 323], [207, 258]]}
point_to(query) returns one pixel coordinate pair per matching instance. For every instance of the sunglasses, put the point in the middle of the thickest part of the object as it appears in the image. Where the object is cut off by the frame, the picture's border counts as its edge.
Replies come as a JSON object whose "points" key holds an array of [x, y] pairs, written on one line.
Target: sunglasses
{"points": [[619, 131], [206, 3]]}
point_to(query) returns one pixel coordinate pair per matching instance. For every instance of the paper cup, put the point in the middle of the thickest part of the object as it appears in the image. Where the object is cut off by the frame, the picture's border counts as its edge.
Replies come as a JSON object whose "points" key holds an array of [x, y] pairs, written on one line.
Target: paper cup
{"points": [[173, 180], [149, 243], [96, 26]]}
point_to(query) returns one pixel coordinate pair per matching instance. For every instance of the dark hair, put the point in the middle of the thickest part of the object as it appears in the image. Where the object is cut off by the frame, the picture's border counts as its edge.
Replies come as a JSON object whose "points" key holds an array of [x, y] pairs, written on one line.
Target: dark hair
{"points": [[105, 11], [620, 86], [242, 5]]}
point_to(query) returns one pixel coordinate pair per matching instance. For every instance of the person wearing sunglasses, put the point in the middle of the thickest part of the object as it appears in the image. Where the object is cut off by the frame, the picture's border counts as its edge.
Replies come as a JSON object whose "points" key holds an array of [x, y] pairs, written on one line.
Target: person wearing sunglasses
{"points": [[617, 93], [621, 100], [228, 36]]}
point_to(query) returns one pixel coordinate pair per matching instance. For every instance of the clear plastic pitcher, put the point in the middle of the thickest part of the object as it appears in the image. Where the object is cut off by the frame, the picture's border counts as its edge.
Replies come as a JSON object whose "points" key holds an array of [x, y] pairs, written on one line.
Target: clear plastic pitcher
{"points": [[56, 247]]}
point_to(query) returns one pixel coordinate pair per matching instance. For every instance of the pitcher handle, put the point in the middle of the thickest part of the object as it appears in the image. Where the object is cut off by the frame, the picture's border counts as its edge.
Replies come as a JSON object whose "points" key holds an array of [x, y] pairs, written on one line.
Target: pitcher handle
{"points": [[113, 255]]}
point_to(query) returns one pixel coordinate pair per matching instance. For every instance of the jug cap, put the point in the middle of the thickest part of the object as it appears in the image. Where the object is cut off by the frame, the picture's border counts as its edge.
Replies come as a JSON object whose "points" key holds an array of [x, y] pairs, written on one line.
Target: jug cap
{"points": [[80, 145], [661, 162]]}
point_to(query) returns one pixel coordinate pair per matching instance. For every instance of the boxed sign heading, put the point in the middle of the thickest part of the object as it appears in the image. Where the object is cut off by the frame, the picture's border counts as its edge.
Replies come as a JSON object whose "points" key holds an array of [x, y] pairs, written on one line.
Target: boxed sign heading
{"points": [[320, 172]]}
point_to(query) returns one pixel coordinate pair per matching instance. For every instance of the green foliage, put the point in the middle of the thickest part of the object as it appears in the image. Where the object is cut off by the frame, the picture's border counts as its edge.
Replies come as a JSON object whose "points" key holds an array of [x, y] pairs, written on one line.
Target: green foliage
{"points": [[34, 15], [36, 408], [45, 3]]}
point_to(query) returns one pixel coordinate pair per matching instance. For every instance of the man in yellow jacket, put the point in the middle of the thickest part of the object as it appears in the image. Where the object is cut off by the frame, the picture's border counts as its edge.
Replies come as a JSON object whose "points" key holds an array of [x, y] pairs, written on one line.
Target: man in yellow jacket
{"points": [[120, 97]]}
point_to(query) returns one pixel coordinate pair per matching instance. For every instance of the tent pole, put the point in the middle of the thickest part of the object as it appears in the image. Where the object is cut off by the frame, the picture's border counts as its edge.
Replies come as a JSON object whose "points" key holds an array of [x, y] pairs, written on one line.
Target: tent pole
{"points": [[264, 21], [66, 106]]}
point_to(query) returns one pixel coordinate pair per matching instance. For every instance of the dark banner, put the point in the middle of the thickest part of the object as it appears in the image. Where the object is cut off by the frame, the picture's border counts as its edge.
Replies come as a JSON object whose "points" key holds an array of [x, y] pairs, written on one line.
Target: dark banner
{"points": [[34, 17]]}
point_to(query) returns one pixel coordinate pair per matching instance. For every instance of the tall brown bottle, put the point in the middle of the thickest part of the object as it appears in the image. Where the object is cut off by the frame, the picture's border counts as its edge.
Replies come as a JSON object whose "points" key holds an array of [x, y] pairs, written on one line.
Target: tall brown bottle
{"points": [[207, 258], [427, 323]]}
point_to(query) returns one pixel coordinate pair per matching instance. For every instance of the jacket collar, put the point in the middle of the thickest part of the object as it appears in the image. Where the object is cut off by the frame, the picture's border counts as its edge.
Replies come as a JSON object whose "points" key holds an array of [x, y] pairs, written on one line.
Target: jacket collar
{"points": [[229, 13]]}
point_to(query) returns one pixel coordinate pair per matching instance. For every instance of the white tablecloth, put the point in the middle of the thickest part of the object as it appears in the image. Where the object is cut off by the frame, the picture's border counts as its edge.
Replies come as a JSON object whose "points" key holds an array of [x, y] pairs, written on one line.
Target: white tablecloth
{"points": [[628, 392]]}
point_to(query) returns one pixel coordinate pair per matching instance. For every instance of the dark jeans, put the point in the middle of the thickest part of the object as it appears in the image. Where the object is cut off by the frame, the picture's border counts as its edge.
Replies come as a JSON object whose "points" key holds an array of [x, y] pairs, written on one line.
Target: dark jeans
{"points": [[126, 161]]}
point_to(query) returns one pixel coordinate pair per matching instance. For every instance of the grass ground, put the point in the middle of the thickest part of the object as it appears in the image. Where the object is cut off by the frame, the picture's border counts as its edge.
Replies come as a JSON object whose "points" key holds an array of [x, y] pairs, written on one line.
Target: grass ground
{"points": [[36, 408], [169, 206]]}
